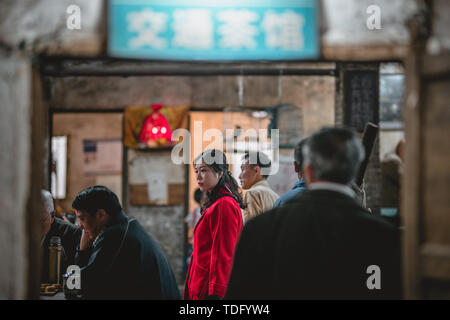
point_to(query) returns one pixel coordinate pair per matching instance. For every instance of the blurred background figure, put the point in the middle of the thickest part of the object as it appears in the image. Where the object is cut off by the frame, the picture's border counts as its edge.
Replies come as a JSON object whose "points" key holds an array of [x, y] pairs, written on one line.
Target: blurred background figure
{"points": [[71, 217], [69, 234], [191, 220], [392, 169]]}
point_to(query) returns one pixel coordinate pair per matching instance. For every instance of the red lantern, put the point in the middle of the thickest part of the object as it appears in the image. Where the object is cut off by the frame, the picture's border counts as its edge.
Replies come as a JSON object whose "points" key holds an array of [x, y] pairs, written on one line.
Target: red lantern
{"points": [[155, 129]]}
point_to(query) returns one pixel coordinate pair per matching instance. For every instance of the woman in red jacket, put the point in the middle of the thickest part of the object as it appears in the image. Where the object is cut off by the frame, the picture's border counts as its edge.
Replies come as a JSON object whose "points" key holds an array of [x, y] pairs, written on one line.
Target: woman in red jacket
{"points": [[217, 231]]}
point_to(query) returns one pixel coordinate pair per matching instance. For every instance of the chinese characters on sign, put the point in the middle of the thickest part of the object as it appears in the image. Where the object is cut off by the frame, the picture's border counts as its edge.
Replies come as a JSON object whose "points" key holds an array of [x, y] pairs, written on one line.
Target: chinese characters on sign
{"points": [[225, 30]]}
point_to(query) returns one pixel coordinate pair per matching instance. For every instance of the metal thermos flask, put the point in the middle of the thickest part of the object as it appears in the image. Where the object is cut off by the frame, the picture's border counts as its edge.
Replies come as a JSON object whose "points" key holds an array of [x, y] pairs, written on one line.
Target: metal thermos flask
{"points": [[54, 263]]}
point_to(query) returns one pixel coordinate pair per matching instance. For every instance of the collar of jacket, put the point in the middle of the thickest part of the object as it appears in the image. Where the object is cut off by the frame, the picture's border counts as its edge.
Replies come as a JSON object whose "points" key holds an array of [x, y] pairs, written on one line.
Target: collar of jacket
{"points": [[120, 219], [225, 190], [300, 184], [261, 183], [221, 191], [331, 186]]}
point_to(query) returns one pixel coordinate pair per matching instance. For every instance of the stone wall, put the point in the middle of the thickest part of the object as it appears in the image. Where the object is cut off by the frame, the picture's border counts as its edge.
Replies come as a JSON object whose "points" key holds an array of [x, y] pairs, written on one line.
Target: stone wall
{"points": [[15, 141], [40, 26]]}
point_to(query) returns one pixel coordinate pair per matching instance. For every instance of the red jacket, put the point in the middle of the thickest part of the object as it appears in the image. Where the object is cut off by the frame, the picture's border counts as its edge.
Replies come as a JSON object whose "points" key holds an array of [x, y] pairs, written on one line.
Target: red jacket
{"points": [[215, 238]]}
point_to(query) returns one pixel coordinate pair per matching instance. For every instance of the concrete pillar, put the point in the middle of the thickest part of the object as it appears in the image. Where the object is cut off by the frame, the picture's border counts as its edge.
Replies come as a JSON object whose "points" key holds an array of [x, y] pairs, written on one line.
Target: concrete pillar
{"points": [[15, 139]]}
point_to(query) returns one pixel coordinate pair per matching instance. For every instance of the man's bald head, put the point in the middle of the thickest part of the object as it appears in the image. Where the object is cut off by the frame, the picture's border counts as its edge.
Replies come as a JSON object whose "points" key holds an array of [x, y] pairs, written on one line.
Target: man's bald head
{"points": [[47, 213], [47, 200]]}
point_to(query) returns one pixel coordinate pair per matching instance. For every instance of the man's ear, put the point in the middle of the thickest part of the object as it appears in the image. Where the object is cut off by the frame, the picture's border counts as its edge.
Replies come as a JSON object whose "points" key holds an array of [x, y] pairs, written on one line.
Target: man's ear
{"points": [[52, 216], [257, 170], [296, 168], [101, 215], [308, 174]]}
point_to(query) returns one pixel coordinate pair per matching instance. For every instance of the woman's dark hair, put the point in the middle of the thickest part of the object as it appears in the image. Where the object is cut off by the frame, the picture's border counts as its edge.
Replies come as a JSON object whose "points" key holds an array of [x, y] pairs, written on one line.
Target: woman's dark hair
{"points": [[198, 195], [217, 161], [94, 198]]}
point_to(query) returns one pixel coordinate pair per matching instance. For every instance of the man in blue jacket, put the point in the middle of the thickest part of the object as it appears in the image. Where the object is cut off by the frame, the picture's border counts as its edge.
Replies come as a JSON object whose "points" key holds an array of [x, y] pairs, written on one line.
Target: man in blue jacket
{"points": [[300, 185]]}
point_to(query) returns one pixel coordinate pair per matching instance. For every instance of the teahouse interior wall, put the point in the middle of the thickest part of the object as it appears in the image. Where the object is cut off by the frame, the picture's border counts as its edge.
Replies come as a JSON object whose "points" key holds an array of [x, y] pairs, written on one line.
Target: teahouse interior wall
{"points": [[80, 127], [314, 95], [15, 139]]}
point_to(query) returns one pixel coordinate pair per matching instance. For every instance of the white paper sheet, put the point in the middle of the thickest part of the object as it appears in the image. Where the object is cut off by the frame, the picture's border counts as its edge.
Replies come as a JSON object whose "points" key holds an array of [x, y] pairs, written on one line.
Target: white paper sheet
{"points": [[157, 187]]}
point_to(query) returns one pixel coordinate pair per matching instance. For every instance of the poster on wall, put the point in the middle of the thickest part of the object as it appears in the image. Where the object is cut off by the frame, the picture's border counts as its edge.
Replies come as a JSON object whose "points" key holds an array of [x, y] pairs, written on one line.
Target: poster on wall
{"points": [[151, 126], [102, 156]]}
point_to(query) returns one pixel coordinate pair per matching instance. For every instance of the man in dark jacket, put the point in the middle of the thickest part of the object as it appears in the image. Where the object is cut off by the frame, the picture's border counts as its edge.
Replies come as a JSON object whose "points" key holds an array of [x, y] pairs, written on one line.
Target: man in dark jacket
{"points": [[323, 244], [69, 234], [118, 258]]}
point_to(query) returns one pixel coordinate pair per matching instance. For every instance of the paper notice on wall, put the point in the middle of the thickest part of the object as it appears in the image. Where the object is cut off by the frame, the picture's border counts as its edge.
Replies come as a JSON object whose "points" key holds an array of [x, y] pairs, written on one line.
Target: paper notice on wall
{"points": [[157, 187], [285, 178], [102, 156], [113, 182]]}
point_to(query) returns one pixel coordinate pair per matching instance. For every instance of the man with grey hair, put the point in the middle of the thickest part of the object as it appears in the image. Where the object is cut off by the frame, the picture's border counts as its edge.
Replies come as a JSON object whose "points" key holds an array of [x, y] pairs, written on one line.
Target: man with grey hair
{"points": [[255, 170], [51, 227], [323, 244]]}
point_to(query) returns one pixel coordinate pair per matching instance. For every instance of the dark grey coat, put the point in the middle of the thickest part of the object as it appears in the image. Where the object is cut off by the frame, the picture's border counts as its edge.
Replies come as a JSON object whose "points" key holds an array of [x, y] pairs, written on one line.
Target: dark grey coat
{"points": [[139, 270], [318, 246]]}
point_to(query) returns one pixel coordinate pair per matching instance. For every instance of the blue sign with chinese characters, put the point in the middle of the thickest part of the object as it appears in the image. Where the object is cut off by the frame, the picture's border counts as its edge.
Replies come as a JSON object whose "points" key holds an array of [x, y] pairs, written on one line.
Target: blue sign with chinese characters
{"points": [[213, 30]]}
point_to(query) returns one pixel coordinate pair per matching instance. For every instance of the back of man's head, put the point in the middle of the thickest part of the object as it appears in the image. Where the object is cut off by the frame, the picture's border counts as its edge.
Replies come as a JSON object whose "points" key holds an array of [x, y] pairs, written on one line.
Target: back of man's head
{"points": [[334, 154], [95, 198], [260, 159], [47, 200]]}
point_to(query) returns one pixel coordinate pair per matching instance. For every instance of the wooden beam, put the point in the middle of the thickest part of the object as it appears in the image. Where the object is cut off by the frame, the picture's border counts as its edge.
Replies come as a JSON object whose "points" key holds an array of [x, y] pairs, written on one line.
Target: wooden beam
{"points": [[366, 53], [411, 191], [37, 178]]}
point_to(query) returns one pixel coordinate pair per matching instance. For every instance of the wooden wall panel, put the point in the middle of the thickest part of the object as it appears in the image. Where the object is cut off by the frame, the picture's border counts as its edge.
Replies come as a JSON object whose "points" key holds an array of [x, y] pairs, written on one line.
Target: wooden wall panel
{"points": [[139, 195]]}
